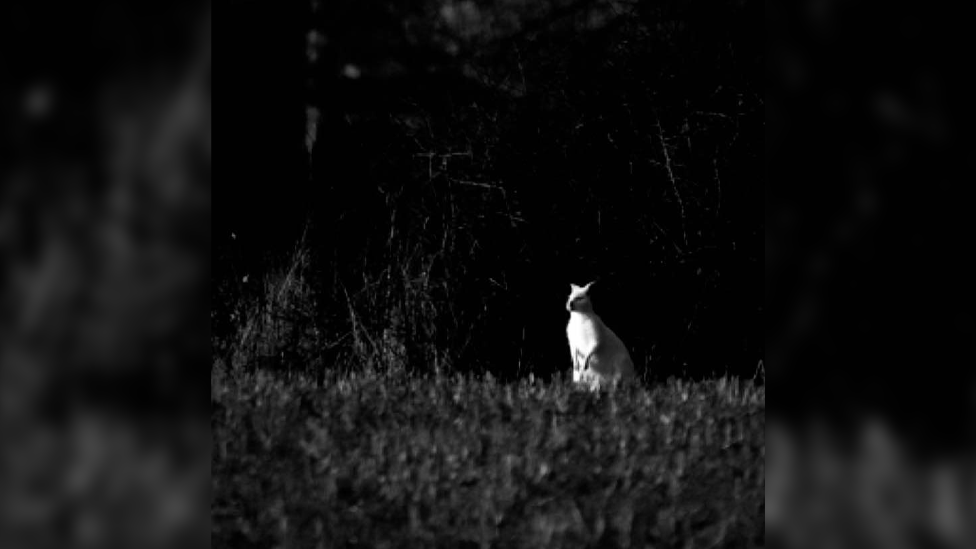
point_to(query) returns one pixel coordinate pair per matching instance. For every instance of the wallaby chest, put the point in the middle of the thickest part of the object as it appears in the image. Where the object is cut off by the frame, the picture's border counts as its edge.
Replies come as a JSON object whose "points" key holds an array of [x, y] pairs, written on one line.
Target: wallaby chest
{"points": [[584, 330]]}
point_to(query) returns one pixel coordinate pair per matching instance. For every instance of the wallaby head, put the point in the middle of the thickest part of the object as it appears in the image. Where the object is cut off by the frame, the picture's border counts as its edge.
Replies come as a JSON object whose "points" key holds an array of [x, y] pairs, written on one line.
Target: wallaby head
{"points": [[579, 298]]}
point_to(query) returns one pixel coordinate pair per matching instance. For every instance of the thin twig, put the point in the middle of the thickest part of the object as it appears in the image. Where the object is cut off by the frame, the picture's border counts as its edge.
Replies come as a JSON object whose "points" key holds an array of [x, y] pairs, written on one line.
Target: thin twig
{"points": [[718, 181], [674, 184], [671, 240]]}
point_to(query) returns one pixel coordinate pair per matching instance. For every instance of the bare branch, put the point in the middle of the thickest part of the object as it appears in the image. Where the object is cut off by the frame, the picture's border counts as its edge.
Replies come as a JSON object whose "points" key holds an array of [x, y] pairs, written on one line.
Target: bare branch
{"points": [[674, 184]]}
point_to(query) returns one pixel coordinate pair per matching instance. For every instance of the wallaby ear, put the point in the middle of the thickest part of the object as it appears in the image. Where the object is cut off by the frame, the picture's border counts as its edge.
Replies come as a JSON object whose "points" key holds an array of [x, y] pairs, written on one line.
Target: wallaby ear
{"points": [[587, 287]]}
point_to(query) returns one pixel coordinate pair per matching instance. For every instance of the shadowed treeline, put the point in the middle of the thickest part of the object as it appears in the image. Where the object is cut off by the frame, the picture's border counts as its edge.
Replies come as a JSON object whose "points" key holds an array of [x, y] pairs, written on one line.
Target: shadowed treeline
{"points": [[466, 163]]}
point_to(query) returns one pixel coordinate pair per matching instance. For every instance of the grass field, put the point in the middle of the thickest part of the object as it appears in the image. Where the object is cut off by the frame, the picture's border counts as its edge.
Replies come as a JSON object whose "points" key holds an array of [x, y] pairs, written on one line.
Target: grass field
{"points": [[395, 460]]}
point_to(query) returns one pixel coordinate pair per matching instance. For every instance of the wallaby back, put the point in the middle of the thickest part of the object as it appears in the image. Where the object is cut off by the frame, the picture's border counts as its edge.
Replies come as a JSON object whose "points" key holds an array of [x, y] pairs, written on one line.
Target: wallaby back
{"points": [[599, 356]]}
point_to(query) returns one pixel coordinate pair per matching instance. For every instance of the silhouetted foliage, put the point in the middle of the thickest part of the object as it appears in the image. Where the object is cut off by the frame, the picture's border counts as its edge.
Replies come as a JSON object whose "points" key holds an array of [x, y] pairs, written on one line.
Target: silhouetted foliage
{"points": [[470, 160]]}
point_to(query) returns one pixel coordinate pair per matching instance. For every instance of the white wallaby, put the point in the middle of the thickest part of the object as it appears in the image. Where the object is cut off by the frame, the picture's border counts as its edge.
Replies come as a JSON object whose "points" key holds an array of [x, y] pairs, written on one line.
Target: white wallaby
{"points": [[599, 357]]}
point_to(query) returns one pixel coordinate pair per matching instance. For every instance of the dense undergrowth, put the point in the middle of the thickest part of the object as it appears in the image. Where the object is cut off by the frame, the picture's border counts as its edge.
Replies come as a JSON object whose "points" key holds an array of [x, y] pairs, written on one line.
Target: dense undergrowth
{"points": [[400, 460]]}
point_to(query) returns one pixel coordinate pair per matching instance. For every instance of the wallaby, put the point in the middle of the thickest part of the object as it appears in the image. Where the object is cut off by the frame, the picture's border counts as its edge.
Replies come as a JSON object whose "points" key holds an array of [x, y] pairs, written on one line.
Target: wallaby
{"points": [[599, 357]]}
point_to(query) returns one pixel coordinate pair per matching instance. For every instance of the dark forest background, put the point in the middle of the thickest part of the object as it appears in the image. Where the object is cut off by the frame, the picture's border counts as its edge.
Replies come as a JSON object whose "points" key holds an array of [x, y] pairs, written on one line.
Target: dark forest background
{"points": [[437, 173]]}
